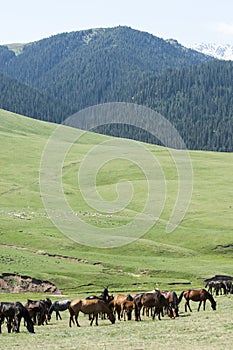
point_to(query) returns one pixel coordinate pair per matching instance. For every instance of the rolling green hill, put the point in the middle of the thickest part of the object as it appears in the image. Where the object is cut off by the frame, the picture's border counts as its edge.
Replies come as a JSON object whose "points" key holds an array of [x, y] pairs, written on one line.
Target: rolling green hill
{"points": [[199, 247]]}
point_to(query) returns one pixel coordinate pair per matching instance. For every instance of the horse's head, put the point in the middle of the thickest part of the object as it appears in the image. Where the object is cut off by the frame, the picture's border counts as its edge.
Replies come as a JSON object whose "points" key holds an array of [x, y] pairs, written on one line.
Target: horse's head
{"points": [[214, 305], [105, 292], [30, 326], [112, 317]]}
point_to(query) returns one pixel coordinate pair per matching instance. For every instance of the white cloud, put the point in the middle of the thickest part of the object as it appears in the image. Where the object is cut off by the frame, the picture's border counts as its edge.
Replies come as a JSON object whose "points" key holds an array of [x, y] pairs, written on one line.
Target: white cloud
{"points": [[225, 28]]}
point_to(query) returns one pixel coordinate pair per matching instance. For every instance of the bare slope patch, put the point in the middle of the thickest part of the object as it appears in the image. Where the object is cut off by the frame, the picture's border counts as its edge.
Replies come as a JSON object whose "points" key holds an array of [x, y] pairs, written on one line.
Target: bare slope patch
{"points": [[15, 283]]}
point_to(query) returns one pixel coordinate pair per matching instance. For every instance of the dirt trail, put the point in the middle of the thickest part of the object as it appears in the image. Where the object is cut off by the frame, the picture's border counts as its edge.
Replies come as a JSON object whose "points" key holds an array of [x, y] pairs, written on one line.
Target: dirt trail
{"points": [[41, 252]]}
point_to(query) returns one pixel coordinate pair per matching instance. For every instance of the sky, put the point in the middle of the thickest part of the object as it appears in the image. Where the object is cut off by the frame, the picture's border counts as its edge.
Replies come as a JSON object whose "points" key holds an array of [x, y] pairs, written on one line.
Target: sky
{"points": [[188, 21]]}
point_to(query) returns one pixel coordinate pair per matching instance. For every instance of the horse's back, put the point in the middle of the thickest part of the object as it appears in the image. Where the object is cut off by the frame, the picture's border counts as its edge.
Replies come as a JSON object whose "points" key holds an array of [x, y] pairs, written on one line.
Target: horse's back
{"points": [[119, 298], [195, 294], [149, 299], [88, 305]]}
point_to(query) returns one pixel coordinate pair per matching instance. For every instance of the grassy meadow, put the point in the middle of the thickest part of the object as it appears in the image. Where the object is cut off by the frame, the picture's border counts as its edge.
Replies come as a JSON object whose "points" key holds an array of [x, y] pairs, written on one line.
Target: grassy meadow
{"points": [[197, 330], [201, 245]]}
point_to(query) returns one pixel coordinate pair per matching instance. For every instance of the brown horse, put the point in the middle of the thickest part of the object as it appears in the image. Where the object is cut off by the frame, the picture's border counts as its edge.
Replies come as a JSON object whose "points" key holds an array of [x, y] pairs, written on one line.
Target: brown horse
{"points": [[200, 295], [91, 307], [127, 307], [155, 299], [172, 299], [121, 303]]}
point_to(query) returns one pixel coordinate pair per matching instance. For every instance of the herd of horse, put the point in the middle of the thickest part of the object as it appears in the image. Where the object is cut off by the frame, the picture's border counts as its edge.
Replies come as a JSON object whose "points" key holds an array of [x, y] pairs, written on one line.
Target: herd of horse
{"points": [[219, 286], [121, 306]]}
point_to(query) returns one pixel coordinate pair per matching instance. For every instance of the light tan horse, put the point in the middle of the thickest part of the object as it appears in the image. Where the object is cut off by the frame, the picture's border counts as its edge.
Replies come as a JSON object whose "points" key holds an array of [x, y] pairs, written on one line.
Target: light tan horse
{"points": [[122, 303], [91, 307]]}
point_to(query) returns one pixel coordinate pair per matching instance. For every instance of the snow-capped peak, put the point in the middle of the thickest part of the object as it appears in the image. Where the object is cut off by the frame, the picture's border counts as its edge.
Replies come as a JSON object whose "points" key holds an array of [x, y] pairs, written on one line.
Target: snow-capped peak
{"points": [[222, 52]]}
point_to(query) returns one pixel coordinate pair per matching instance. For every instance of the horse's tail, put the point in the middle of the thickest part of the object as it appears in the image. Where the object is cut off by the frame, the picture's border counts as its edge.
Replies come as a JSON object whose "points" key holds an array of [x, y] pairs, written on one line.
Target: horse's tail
{"points": [[175, 300], [51, 309], [72, 314], [175, 303], [137, 306], [180, 297]]}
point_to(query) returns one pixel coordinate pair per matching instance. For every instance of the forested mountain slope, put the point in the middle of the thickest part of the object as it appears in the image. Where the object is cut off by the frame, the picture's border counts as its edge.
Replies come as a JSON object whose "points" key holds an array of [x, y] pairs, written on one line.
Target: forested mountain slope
{"points": [[26, 100], [55, 77], [94, 66], [198, 100]]}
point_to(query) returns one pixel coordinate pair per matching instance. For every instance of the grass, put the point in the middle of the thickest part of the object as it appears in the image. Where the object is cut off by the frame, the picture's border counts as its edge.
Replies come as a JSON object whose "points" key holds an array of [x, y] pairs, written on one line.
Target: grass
{"points": [[201, 246], [193, 251]]}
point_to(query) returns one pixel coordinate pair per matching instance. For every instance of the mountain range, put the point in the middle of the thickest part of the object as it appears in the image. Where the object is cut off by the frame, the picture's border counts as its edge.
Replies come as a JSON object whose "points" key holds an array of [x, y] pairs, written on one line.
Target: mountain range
{"points": [[222, 52], [55, 77]]}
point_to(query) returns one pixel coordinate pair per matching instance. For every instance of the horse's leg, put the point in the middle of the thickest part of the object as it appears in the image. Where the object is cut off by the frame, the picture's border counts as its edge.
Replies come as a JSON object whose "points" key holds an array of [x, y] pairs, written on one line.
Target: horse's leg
{"points": [[9, 324], [18, 324], [143, 310], [187, 305], [94, 316], [71, 321], [162, 313], [122, 313], [76, 319], [1, 322], [159, 314], [118, 311], [156, 312], [137, 312], [71, 318], [204, 302], [198, 309], [91, 317], [58, 315], [176, 312]]}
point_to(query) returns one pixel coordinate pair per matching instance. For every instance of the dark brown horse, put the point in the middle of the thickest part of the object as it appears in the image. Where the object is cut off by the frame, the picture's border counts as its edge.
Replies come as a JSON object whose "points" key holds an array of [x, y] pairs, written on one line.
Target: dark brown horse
{"points": [[155, 299], [200, 295], [39, 310], [91, 307], [172, 299], [13, 313]]}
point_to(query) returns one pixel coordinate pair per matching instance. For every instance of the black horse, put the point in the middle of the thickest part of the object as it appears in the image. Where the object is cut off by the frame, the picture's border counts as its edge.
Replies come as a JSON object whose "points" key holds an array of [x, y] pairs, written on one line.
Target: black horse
{"points": [[58, 305], [13, 313], [103, 296]]}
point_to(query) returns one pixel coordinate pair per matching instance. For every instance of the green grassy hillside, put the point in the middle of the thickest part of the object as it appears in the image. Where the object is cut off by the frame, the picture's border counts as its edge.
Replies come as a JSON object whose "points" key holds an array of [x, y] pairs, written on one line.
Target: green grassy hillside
{"points": [[199, 247]]}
